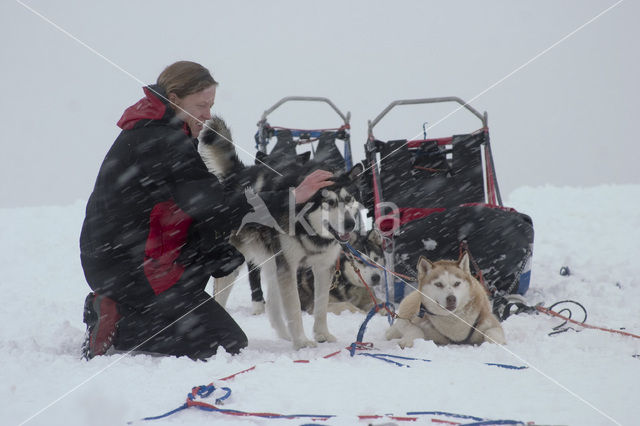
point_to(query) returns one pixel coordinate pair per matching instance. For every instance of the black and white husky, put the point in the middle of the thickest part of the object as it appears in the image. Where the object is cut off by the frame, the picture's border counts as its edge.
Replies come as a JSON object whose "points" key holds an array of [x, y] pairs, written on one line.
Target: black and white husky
{"points": [[348, 292], [278, 247]]}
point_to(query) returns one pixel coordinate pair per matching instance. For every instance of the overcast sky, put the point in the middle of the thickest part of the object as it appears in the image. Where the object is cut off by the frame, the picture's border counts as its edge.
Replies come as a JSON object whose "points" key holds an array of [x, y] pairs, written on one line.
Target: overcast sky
{"points": [[560, 111]]}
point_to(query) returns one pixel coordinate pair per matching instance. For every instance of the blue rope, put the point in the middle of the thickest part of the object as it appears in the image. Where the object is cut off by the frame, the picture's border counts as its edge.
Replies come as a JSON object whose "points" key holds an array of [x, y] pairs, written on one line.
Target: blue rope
{"points": [[363, 326], [206, 390], [511, 367], [384, 357], [476, 420], [386, 281], [348, 161], [182, 407], [203, 392], [298, 133], [265, 415], [357, 254]]}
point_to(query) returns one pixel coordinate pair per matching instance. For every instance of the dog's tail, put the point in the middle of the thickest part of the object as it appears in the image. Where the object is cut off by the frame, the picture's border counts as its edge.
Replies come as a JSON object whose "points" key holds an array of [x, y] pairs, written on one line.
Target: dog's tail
{"points": [[218, 151]]}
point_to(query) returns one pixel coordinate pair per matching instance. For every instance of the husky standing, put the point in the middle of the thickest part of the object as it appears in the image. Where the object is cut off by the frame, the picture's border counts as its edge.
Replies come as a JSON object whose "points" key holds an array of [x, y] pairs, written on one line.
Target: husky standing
{"points": [[307, 235], [449, 307], [348, 292]]}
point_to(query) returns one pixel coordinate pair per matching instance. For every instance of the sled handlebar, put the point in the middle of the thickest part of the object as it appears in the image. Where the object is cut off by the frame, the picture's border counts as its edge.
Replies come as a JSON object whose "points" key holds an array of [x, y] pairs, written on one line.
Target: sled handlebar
{"points": [[482, 117], [345, 117]]}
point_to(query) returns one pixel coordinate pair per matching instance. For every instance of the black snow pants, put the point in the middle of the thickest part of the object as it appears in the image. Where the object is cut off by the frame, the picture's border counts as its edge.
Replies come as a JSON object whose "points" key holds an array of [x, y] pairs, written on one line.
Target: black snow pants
{"points": [[183, 320]]}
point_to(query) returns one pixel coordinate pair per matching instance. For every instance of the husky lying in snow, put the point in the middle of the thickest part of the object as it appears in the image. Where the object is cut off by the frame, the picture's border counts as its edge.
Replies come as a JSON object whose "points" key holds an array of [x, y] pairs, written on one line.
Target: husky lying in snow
{"points": [[329, 214], [449, 307], [348, 293]]}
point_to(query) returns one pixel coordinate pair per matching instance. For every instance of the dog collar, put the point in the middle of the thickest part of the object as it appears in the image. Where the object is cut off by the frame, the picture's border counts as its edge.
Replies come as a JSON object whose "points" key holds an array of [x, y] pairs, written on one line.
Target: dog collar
{"points": [[471, 331], [424, 311]]}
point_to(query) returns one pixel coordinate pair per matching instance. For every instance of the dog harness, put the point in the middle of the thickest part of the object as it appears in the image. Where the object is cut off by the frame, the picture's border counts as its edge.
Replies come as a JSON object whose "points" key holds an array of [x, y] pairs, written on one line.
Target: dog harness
{"points": [[424, 311]]}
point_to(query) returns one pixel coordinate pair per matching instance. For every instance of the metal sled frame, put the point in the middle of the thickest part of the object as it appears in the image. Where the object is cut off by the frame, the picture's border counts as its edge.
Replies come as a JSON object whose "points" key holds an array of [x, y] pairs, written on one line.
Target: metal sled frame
{"points": [[492, 192], [303, 136]]}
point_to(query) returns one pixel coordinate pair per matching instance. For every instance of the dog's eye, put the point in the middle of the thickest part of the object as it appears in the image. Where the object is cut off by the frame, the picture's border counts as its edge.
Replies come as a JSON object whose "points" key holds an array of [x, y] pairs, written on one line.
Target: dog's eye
{"points": [[438, 284], [331, 202], [456, 284], [348, 199]]}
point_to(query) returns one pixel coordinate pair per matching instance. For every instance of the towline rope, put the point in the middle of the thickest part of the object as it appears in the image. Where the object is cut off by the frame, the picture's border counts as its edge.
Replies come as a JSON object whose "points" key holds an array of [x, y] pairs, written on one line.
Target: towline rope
{"points": [[582, 324]]}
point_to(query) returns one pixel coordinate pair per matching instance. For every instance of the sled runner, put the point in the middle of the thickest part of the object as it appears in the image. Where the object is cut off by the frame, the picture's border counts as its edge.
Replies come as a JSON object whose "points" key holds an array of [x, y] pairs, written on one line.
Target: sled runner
{"points": [[430, 196], [287, 139]]}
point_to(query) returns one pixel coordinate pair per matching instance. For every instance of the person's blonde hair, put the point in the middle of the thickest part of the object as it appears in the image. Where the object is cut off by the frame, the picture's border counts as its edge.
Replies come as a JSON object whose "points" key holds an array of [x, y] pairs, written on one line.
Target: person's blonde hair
{"points": [[185, 78]]}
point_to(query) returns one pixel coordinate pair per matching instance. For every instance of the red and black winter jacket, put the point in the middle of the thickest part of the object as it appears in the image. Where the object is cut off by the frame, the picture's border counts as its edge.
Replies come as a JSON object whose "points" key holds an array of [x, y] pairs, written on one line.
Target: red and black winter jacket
{"points": [[155, 205]]}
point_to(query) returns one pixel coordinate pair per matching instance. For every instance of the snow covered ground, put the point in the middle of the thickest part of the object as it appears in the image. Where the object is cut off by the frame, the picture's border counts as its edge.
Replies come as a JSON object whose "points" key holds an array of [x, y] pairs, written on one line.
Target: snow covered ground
{"points": [[580, 377]]}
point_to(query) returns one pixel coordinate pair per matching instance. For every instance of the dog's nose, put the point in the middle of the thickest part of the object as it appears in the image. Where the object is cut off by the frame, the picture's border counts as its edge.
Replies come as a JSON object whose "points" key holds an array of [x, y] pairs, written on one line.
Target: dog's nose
{"points": [[451, 302], [375, 279]]}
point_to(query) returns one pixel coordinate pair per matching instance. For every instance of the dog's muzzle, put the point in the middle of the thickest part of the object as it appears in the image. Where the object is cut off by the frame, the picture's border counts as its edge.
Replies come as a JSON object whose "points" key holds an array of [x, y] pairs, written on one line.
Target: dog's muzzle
{"points": [[342, 238], [451, 302]]}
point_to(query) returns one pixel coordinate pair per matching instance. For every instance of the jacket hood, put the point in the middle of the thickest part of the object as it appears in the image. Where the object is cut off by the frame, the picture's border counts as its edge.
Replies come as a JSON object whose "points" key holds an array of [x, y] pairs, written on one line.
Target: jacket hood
{"points": [[153, 107]]}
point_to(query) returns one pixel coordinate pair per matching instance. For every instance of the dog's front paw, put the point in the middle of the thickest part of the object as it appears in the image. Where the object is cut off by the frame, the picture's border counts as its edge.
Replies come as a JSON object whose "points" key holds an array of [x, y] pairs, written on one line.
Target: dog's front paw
{"points": [[324, 337], [495, 335], [258, 308], [299, 344], [406, 343], [391, 333], [283, 334]]}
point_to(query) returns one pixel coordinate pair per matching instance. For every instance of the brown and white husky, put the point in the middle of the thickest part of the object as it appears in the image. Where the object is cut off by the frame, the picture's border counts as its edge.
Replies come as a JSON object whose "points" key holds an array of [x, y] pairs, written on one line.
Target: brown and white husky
{"points": [[449, 306]]}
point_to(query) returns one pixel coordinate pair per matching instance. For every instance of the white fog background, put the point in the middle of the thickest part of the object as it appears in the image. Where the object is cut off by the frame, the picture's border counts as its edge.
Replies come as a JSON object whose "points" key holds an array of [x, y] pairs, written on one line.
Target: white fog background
{"points": [[566, 118]]}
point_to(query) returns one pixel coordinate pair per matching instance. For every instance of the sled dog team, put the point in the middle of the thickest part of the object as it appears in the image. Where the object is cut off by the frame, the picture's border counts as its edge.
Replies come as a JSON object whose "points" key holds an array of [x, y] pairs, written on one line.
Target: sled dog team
{"points": [[300, 258]]}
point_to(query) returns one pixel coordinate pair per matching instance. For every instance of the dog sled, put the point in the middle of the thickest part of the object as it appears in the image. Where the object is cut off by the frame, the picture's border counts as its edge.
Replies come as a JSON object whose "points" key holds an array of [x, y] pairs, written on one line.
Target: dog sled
{"points": [[288, 140], [436, 196]]}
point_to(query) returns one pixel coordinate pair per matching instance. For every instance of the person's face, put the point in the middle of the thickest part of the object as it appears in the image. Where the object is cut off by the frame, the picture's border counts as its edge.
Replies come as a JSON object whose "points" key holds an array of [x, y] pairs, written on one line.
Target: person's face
{"points": [[194, 109]]}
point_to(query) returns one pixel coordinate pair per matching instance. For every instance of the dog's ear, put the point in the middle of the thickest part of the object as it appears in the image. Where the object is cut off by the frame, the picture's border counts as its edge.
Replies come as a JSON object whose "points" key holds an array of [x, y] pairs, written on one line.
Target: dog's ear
{"points": [[424, 266], [375, 238], [463, 262]]}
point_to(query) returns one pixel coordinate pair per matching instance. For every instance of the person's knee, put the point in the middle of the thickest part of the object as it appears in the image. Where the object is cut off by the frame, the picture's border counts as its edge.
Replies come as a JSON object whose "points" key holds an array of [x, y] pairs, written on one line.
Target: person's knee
{"points": [[236, 345], [204, 341]]}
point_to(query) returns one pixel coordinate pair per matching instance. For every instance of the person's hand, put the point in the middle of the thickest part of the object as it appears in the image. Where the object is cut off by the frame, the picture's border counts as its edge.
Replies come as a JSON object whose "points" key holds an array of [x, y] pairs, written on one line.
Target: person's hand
{"points": [[311, 184]]}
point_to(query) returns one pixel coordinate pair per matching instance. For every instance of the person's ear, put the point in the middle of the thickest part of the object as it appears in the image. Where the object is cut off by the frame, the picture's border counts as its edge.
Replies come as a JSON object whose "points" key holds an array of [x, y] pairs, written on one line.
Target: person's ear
{"points": [[173, 98]]}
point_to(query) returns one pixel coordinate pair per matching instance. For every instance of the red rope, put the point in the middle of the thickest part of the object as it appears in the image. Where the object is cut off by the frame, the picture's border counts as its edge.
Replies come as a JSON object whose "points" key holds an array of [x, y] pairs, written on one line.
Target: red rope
{"points": [[555, 314], [191, 402], [444, 421], [238, 373], [343, 127], [306, 361], [376, 416]]}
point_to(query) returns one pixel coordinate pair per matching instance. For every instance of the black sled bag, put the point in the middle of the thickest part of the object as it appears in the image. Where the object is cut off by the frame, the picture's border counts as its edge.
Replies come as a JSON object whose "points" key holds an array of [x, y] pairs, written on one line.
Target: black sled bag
{"points": [[499, 239]]}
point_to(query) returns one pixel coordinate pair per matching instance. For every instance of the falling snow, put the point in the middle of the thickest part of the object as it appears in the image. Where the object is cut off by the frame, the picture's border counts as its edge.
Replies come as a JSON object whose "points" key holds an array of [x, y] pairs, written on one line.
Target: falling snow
{"points": [[578, 377]]}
